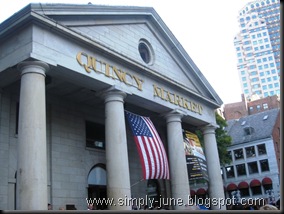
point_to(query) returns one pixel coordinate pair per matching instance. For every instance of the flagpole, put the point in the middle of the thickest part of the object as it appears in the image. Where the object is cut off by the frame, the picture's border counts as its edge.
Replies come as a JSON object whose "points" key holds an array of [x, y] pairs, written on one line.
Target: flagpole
{"points": [[137, 182]]}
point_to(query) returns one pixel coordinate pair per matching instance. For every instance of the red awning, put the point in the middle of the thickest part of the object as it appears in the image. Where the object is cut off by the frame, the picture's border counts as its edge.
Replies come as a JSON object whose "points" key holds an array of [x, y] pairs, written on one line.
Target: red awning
{"points": [[255, 183], [192, 192], [243, 185], [201, 191], [266, 181], [232, 186]]}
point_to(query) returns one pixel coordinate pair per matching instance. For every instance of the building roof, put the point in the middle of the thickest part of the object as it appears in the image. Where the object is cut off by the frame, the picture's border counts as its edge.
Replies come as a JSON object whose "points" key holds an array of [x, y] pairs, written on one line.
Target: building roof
{"points": [[82, 21], [253, 127]]}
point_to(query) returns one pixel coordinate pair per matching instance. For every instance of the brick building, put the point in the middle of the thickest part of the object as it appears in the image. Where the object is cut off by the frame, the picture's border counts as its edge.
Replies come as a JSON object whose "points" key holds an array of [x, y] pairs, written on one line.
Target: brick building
{"points": [[248, 107]]}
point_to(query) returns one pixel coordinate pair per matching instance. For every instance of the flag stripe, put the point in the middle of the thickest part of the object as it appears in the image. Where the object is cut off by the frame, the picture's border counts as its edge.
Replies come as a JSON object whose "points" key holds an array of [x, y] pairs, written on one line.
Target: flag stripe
{"points": [[150, 147]]}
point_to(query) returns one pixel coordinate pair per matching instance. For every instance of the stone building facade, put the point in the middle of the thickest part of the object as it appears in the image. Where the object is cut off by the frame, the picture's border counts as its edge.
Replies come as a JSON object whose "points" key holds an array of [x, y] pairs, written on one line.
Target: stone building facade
{"points": [[67, 73]]}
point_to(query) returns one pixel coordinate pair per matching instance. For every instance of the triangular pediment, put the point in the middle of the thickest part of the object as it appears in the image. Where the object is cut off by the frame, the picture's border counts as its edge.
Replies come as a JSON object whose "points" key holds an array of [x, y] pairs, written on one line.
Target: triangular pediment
{"points": [[120, 29]]}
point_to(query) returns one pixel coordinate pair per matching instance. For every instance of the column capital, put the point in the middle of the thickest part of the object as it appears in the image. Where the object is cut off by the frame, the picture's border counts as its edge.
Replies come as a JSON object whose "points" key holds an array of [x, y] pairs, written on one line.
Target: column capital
{"points": [[112, 93], [209, 128], [33, 67], [174, 115]]}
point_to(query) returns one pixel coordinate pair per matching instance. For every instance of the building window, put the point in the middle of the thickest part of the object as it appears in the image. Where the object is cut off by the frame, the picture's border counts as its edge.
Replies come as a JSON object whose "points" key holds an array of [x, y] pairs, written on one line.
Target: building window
{"points": [[248, 130], [258, 107], [241, 169], [95, 135], [229, 155], [244, 192], [239, 154], [146, 51], [261, 149], [256, 190], [264, 165], [230, 173], [252, 167], [250, 151]]}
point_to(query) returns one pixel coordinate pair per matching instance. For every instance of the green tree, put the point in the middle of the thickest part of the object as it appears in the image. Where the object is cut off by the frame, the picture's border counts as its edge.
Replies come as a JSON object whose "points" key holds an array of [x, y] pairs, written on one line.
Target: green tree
{"points": [[222, 138]]}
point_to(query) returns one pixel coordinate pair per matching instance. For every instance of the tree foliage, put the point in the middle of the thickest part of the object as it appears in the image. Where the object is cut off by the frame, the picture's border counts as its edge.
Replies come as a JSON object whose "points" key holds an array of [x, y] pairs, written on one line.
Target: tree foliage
{"points": [[222, 138]]}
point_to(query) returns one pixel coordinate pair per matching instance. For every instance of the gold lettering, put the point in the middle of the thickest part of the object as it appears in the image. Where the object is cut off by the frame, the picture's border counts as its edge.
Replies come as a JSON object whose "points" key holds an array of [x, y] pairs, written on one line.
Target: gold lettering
{"points": [[158, 92], [79, 60], [108, 70], [119, 74], [105, 68], [138, 82], [177, 100], [185, 105], [193, 106], [169, 97], [200, 109]]}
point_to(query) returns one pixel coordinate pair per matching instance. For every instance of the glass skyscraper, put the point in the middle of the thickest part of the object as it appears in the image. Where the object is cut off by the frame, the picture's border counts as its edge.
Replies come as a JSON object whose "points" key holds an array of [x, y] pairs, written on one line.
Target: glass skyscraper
{"points": [[257, 47]]}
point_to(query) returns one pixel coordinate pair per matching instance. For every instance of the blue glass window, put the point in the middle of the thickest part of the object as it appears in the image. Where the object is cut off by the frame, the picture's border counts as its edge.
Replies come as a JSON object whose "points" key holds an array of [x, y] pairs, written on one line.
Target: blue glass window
{"points": [[261, 74], [265, 94], [273, 71], [269, 79], [258, 35], [267, 72], [275, 77], [276, 85], [270, 86], [244, 79], [270, 58], [271, 65], [264, 87], [263, 80], [260, 67]]}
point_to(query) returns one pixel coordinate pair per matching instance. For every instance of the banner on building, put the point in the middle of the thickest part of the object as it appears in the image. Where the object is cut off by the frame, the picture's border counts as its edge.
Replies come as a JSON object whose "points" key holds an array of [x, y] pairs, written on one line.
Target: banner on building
{"points": [[195, 158], [150, 147]]}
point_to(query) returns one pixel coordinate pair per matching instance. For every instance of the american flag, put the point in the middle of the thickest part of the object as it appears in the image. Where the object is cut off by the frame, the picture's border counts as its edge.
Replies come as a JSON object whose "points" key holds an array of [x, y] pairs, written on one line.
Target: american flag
{"points": [[150, 147]]}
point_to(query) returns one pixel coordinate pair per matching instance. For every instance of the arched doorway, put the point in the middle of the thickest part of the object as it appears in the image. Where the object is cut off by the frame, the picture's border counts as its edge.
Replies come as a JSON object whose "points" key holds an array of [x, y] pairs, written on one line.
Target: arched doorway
{"points": [[97, 186]]}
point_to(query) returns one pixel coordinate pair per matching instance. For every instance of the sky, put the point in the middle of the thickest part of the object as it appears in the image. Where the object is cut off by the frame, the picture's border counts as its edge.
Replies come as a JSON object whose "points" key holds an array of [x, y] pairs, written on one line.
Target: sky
{"points": [[206, 30]]}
